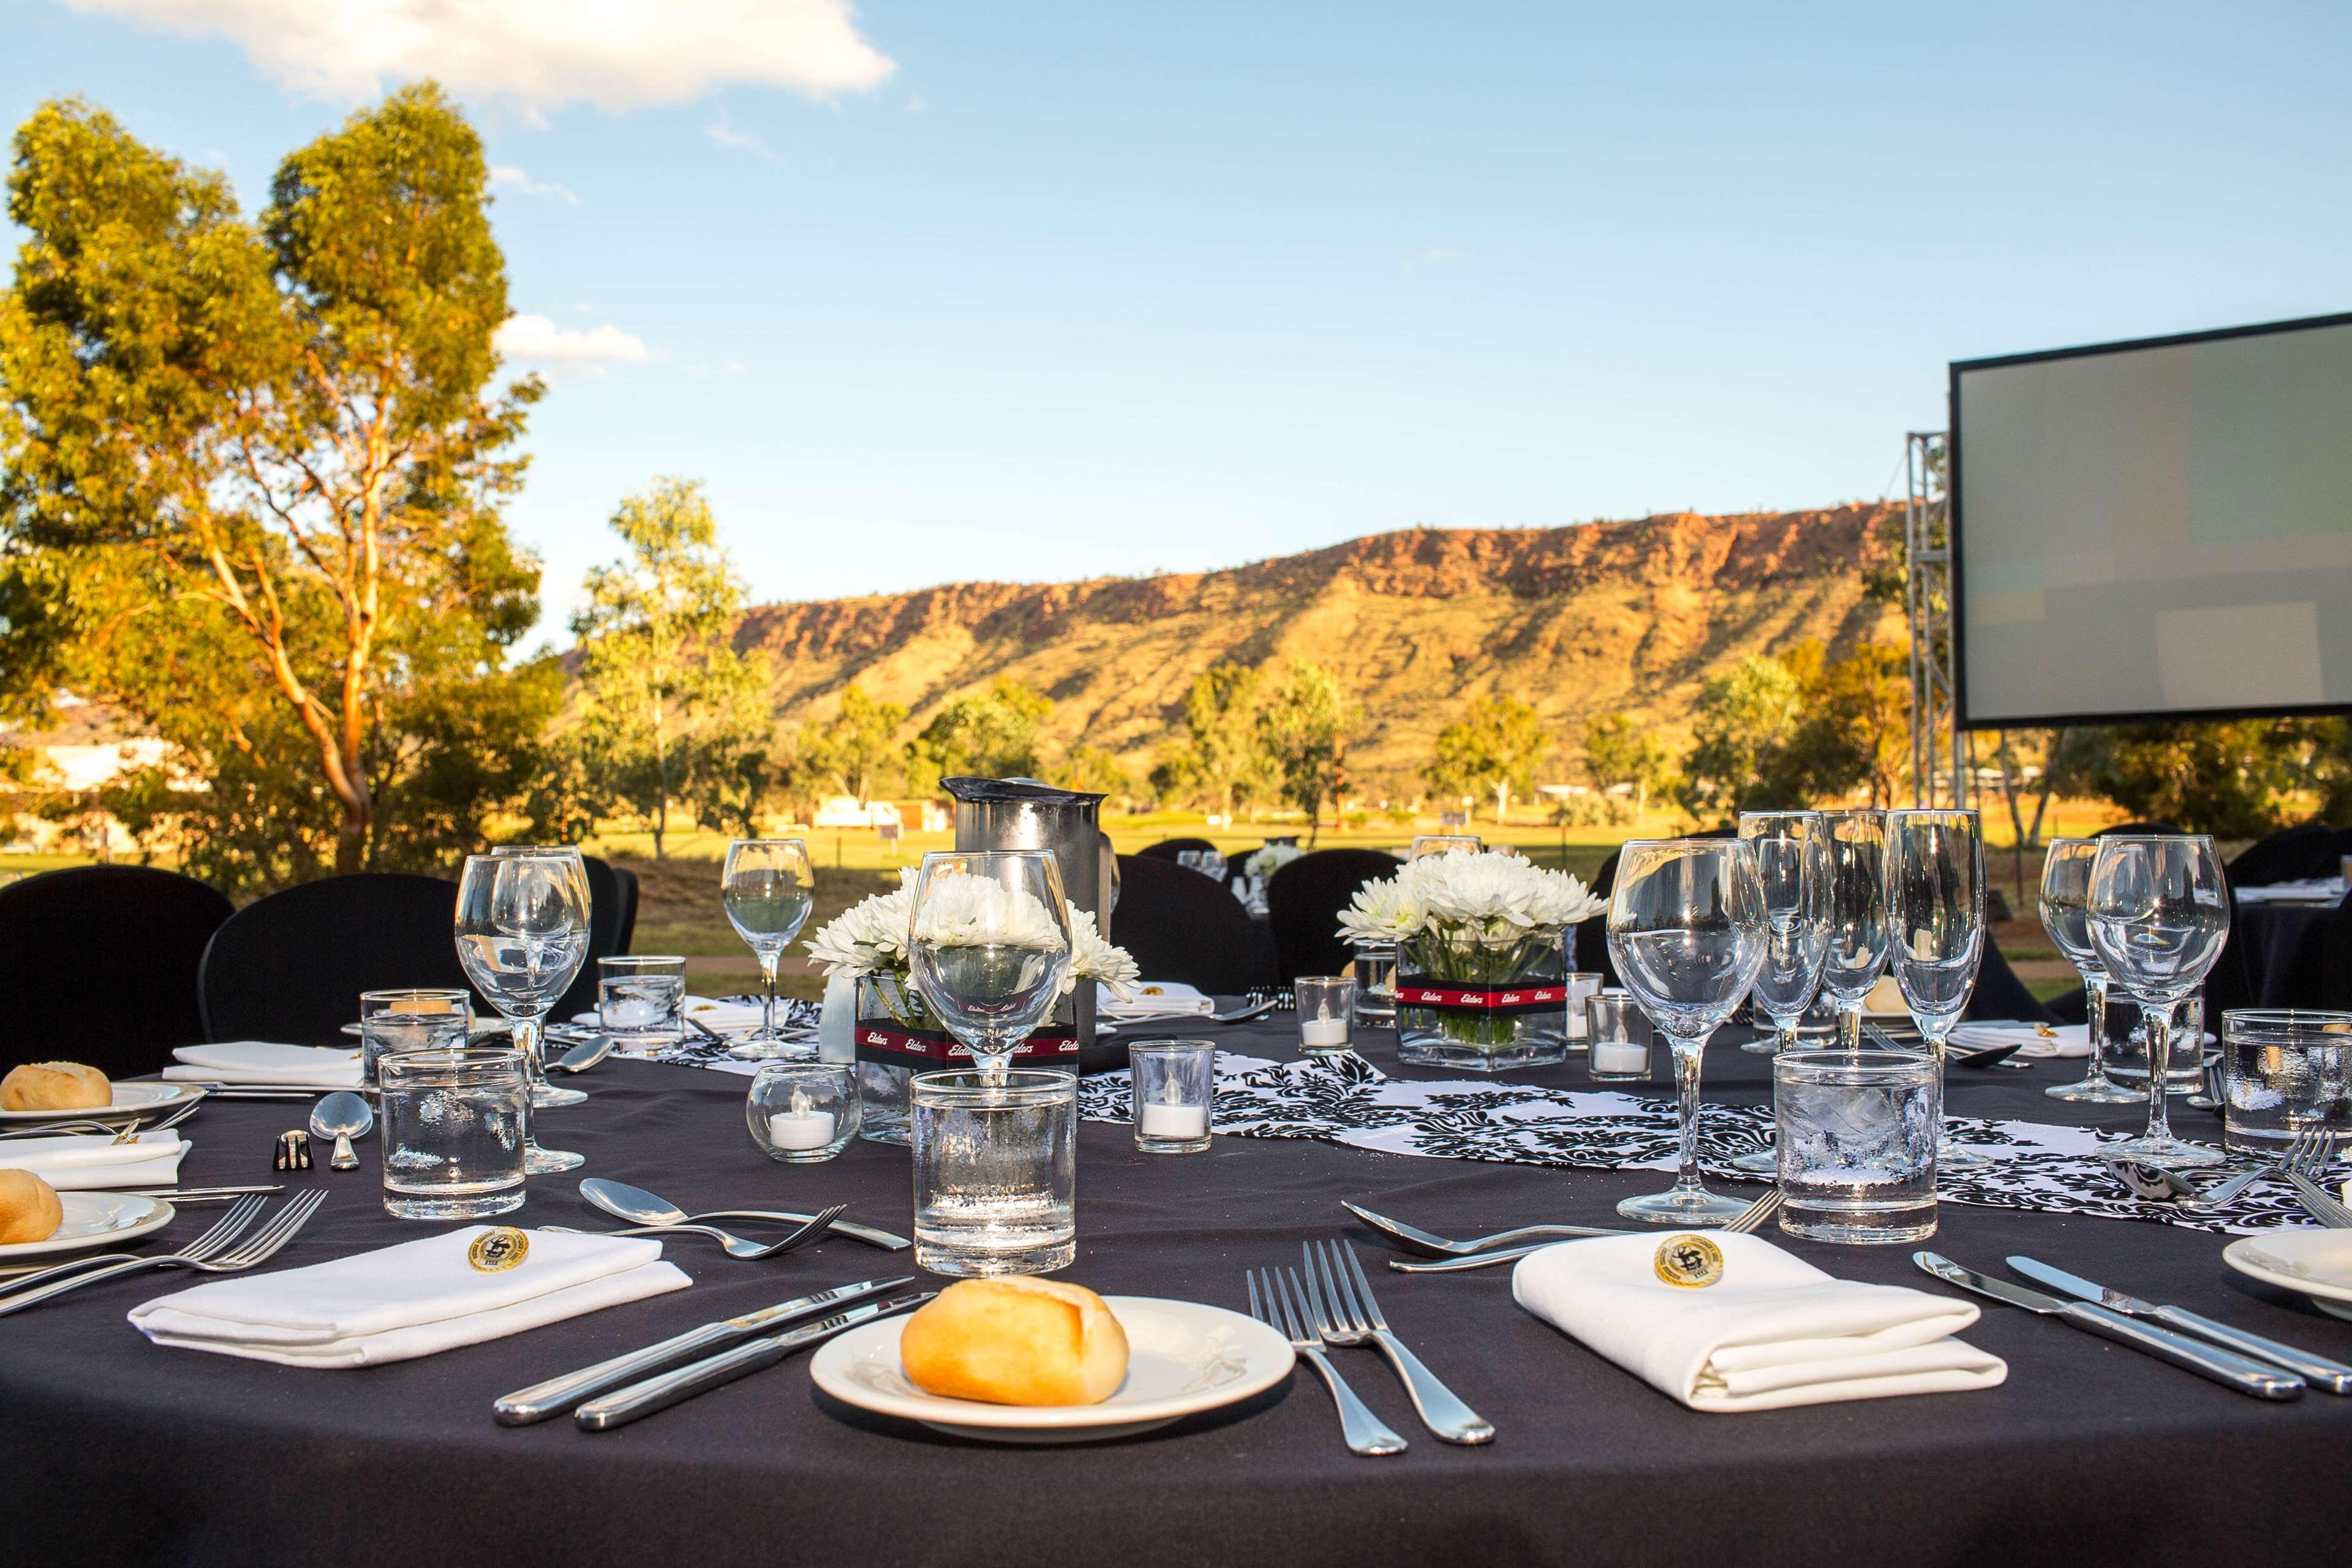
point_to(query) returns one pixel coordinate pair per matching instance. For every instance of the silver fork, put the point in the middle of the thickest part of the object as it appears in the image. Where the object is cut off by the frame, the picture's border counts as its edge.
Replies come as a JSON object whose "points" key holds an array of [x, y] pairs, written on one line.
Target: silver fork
{"points": [[227, 1228], [1746, 1220], [259, 1247], [2302, 1169], [1419, 1241], [734, 1246], [1355, 1319], [1362, 1430]]}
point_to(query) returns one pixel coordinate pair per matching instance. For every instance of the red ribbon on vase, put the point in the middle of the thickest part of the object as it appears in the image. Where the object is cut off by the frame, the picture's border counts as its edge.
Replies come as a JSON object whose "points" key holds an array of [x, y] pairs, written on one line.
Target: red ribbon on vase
{"points": [[1423, 991], [894, 1046]]}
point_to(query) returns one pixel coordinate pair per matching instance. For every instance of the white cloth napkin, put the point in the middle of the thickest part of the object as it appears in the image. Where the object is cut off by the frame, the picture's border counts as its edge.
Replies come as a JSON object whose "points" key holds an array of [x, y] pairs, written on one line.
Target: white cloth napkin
{"points": [[84, 1162], [2317, 890], [264, 1062], [1773, 1332], [407, 1300], [1153, 999], [2033, 1044]]}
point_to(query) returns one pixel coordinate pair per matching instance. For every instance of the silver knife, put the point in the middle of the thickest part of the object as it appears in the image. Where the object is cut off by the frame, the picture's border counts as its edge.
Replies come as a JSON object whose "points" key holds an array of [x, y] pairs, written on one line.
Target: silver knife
{"points": [[2315, 1370], [2246, 1376], [640, 1400], [544, 1401]]}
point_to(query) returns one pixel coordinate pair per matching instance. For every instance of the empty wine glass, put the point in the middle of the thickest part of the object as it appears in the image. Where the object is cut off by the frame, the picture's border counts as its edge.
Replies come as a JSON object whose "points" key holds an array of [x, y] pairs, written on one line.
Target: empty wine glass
{"points": [[1935, 930], [2066, 917], [2159, 913], [1792, 859], [1687, 928], [768, 886], [523, 935], [989, 946], [544, 1093], [1857, 934]]}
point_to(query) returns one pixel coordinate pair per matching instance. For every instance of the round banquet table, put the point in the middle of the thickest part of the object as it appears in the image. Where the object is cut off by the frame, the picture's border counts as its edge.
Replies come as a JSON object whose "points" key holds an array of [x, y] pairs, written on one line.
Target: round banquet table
{"points": [[119, 1451]]}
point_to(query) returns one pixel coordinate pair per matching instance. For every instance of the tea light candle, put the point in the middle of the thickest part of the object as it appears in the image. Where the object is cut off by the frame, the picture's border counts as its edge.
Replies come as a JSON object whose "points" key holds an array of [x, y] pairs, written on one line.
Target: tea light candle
{"points": [[1620, 1056], [800, 1128], [1161, 1120], [1324, 1030]]}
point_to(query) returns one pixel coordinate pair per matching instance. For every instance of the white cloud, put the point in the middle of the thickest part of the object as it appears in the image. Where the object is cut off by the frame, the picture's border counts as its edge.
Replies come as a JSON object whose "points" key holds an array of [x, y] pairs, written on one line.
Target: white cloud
{"points": [[507, 177], [566, 352], [536, 54], [728, 136]]}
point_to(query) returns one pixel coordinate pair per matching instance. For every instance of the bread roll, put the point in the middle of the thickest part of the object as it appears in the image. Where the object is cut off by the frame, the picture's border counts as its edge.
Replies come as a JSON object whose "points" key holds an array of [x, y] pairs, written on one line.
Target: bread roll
{"points": [[55, 1086], [1016, 1341], [30, 1210]]}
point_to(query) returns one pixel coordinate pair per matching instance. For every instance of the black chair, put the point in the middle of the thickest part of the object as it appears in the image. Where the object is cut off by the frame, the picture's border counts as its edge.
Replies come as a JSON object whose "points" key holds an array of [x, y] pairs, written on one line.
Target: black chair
{"points": [[98, 964], [2000, 993], [291, 966], [1303, 901], [1169, 849], [1180, 925], [2297, 854], [1591, 939]]}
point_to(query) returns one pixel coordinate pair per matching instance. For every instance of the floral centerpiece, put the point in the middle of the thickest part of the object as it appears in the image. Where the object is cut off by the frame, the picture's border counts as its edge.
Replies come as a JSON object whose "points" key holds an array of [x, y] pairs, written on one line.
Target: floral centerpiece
{"points": [[1481, 959], [895, 1034], [1273, 857]]}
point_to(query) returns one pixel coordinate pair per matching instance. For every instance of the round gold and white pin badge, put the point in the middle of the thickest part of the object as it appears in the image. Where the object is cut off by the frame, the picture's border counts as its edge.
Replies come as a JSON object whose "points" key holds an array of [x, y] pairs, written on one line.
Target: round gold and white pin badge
{"points": [[498, 1250], [1691, 1262]]}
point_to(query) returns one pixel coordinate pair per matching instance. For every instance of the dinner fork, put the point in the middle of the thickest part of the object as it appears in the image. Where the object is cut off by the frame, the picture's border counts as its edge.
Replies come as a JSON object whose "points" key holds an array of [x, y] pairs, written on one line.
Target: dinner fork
{"points": [[732, 1245], [1354, 1318], [1419, 1240], [1364, 1432], [227, 1228], [259, 1247], [1740, 1223], [2309, 1162]]}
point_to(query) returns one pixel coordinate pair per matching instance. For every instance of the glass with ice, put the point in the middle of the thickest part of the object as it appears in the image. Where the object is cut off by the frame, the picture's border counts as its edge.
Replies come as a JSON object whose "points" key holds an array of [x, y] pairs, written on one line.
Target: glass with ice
{"points": [[1856, 1135]]}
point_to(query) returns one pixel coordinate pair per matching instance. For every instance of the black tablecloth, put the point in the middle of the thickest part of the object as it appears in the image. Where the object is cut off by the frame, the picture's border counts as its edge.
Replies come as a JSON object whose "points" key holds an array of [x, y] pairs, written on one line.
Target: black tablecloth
{"points": [[2282, 947], [115, 1451]]}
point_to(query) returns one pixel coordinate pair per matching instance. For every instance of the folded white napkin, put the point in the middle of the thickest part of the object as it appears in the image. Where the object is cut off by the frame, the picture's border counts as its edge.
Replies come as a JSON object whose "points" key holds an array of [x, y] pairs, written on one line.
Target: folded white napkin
{"points": [[407, 1300], [2316, 890], [84, 1162], [2035, 1042], [263, 1062], [1153, 999], [1773, 1332]]}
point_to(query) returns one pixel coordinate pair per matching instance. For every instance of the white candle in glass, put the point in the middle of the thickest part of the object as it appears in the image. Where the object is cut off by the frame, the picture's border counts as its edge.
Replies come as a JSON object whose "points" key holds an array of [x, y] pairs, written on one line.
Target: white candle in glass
{"points": [[1323, 1029], [800, 1128], [1161, 1120], [1620, 1055]]}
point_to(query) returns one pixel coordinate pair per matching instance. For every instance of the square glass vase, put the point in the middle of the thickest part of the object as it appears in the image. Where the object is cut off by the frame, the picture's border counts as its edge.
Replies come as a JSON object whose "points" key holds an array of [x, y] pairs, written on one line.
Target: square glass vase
{"points": [[1495, 1029], [893, 1024]]}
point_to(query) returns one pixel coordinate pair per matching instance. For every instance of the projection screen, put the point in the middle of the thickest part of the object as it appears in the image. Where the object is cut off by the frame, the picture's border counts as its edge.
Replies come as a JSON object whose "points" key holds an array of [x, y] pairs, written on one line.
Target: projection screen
{"points": [[2159, 529]]}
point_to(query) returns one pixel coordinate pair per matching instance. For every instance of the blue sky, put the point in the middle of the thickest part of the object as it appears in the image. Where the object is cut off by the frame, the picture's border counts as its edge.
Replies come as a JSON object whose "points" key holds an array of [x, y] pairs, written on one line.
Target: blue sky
{"points": [[933, 292]]}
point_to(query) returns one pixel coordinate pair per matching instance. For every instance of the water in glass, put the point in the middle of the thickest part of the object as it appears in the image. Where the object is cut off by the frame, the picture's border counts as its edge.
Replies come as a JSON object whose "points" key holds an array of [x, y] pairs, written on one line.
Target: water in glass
{"points": [[995, 1171], [1857, 1135], [456, 1124], [768, 886]]}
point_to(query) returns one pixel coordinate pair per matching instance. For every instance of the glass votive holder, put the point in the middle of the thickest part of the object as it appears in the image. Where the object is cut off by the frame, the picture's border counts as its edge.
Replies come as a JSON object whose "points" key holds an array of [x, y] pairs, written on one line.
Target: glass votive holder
{"points": [[640, 998], [1578, 988], [996, 1171], [2284, 1071], [1855, 1135], [455, 1124], [1617, 1038], [1376, 972], [1326, 1009], [1175, 1094], [395, 1021], [801, 1111]]}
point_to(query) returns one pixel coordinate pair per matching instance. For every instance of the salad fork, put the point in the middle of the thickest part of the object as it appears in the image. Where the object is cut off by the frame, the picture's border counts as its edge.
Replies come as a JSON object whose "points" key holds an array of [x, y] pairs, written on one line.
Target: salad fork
{"points": [[259, 1247], [1740, 1223], [227, 1228], [1364, 1432], [1354, 1318], [2308, 1162]]}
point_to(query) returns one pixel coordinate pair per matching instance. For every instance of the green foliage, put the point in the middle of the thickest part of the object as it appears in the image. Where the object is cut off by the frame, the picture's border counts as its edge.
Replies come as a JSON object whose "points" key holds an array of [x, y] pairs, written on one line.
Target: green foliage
{"points": [[2229, 779], [1619, 752], [1221, 761], [1094, 769], [1492, 749], [993, 734], [1744, 717], [1777, 733], [855, 751], [1299, 731], [252, 481]]}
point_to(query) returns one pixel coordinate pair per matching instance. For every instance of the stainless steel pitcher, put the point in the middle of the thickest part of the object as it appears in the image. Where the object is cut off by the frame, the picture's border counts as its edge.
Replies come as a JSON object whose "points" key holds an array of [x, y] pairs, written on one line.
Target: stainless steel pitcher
{"points": [[1027, 814]]}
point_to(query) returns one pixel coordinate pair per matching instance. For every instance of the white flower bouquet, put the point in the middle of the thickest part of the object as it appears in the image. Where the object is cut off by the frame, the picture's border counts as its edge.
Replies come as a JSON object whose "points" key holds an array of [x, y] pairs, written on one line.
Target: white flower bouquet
{"points": [[1273, 857]]}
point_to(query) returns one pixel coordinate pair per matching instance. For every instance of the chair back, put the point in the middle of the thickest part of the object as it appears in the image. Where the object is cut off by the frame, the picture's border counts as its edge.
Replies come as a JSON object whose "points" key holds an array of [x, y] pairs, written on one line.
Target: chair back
{"points": [[1180, 925], [2297, 854], [1169, 849], [1303, 901], [2138, 830], [291, 966], [98, 964]]}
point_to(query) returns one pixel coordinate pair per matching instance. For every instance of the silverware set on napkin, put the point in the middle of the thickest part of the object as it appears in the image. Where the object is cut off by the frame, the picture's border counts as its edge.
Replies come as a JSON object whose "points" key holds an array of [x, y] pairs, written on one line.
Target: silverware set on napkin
{"points": [[1327, 1303], [1485, 1251], [225, 1248]]}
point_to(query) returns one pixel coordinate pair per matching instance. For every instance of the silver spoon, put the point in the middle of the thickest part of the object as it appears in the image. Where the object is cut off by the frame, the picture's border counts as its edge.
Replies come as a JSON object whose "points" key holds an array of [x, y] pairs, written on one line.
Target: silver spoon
{"points": [[635, 1204], [734, 1246], [342, 1116], [585, 1055]]}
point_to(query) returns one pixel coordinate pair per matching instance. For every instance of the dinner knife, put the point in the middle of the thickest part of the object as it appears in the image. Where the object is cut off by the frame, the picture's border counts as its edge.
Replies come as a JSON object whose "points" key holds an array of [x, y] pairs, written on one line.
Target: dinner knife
{"points": [[2315, 1370], [642, 1399], [2249, 1376], [544, 1401]]}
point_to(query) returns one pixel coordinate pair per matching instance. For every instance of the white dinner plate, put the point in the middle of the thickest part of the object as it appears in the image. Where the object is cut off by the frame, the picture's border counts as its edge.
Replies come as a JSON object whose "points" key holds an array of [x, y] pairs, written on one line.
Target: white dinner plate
{"points": [[145, 1098], [95, 1219], [1181, 1358], [2314, 1263]]}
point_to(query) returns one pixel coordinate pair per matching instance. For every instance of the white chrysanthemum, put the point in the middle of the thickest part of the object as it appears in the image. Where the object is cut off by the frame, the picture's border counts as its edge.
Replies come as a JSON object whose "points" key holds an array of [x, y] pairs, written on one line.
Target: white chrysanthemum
{"points": [[1092, 958], [980, 911], [1267, 861], [1385, 911], [1487, 894], [870, 936]]}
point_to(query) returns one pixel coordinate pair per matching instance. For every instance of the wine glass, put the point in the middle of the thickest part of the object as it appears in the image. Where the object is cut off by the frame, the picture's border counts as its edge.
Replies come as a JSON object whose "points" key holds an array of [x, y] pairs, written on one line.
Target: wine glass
{"points": [[523, 935], [542, 1092], [1687, 928], [2159, 913], [1935, 930], [1792, 858], [989, 946], [1857, 933], [2066, 917], [768, 886]]}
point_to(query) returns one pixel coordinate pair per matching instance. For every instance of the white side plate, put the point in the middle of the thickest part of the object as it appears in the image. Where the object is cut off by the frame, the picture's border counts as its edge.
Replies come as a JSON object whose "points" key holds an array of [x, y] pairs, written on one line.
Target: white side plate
{"points": [[2314, 1263], [141, 1099], [95, 1219]]}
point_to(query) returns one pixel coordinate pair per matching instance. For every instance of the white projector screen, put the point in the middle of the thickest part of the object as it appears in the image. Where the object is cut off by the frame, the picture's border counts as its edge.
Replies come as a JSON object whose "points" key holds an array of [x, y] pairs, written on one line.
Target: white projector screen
{"points": [[2155, 530]]}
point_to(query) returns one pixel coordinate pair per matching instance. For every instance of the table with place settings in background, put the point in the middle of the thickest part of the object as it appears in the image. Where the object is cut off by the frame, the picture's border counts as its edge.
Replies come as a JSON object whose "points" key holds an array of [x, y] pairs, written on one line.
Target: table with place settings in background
{"points": [[120, 1451]]}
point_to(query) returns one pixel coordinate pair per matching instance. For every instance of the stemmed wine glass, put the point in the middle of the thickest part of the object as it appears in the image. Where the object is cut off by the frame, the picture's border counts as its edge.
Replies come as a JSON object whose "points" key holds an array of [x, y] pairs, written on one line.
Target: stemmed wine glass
{"points": [[1686, 929], [989, 946], [1935, 930], [1792, 858], [543, 1093], [2066, 917], [2159, 913], [768, 886], [1857, 936], [523, 935]]}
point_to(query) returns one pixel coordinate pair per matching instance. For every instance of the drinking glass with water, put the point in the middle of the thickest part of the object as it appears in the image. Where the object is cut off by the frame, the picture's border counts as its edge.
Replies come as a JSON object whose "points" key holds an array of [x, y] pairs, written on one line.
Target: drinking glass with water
{"points": [[1856, 1134], [640, 998], [455, 1127]]}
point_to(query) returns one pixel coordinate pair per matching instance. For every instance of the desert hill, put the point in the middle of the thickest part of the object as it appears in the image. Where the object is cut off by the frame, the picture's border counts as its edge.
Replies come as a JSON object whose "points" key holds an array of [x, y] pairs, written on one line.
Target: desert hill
{"points": [[1579, 621]]}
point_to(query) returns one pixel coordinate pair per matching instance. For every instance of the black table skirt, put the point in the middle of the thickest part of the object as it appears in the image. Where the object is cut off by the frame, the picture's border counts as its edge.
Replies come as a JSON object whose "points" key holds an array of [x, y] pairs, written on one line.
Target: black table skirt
{"points": [[115, 1451]]}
